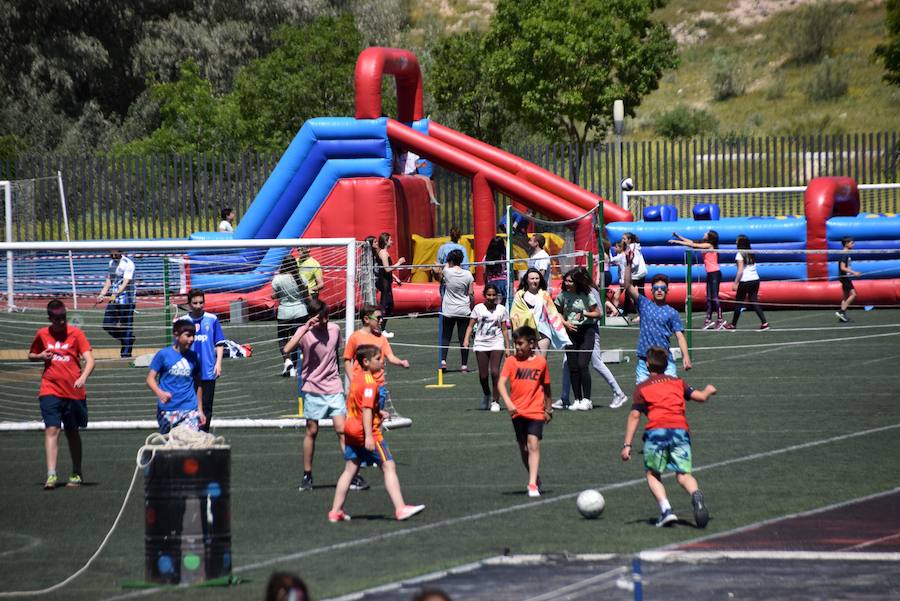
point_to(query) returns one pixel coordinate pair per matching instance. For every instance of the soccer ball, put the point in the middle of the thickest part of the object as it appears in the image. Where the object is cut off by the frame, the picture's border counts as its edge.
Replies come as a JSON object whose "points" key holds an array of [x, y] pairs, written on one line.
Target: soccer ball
{"points": [[590, 503], [627, 184]]}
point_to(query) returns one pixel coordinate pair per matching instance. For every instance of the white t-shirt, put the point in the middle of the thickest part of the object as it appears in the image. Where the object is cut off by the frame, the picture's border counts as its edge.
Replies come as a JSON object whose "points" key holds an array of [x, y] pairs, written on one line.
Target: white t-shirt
{"points": [[408, 162], [488, 332], [638, 266], [749, 274], [225, 226], [540, 261]]}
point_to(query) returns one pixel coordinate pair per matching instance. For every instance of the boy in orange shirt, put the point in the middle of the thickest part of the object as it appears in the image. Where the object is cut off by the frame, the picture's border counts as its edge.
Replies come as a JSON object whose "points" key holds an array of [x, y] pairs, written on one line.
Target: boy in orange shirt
{"points": [[370, 333], [364, 442], [528, 402], [667, 438]]}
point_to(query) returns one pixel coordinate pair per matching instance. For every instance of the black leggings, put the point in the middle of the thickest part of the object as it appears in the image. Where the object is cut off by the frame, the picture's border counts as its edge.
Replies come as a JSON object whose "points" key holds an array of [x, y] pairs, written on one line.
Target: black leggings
{"points": [[713, 279], [447, 323], [747, 291], [385, 300], [578, 356], [489, 367], [630, 305]]}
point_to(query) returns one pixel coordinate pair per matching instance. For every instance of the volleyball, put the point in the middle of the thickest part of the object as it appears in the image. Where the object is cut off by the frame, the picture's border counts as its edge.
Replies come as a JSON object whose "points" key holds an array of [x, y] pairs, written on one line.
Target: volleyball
{"points": [[628, 184], [590, 503]]}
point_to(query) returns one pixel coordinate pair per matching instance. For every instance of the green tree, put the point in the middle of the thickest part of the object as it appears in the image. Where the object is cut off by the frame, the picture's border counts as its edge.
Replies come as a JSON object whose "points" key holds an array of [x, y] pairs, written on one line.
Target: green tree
{"points": [[462, 91], [559, 66], [889, 52], [309, 74]]}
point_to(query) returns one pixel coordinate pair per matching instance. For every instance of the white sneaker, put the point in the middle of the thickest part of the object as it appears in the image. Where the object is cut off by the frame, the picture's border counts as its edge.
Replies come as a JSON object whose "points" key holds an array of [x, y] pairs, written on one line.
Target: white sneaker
{"points": [[288, 366], [534, 491], [293, 372], [495, 407], [558, 404], [575, 406], [586, 405], [618, 400], [407, 511], [387, 334]]}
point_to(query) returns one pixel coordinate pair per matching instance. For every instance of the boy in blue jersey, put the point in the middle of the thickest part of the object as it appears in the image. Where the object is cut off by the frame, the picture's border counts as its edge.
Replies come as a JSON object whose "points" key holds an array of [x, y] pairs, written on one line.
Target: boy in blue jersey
{"points": [[175, 380], [209, 344]]}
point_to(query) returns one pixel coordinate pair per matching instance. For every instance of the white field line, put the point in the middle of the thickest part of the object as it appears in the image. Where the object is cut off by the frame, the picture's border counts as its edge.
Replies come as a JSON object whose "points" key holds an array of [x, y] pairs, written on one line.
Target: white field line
{"points": [[670, 549], [609, 576], [876, 541], [450, 522], [701, 556]]}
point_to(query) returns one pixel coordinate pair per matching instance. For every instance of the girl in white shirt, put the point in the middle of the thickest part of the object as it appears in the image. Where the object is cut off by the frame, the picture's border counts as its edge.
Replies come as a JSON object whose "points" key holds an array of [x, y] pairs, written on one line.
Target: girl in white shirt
{"points": [[638, 269], [746, 283], [488, 321]]}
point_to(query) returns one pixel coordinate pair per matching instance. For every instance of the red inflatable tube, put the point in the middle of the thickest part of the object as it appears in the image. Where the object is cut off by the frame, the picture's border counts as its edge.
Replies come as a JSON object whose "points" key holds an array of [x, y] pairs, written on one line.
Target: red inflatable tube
{"points": [[371, 65]]}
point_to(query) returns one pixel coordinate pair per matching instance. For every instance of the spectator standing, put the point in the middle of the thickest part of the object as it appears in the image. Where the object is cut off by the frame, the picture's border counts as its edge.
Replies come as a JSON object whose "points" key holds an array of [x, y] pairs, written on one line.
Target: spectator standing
{"points": [[456, 305], [746, 284], [538, 257], [62, 395], [289, 289], [311, 271], [385, 278], [119, 292], [845, 272]]}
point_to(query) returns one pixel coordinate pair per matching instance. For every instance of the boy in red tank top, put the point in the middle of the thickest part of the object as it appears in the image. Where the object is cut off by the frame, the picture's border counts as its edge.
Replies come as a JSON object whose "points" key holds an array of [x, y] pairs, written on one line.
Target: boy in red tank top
{"points": [[62, 396]]}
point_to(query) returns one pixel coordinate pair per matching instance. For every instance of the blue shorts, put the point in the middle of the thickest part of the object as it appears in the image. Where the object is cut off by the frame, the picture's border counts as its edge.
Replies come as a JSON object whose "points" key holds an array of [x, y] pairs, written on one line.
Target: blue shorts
{"points": [[69, 414], [667, 448], [641, 372], [321, 406], [363, 456], [169, 419]]}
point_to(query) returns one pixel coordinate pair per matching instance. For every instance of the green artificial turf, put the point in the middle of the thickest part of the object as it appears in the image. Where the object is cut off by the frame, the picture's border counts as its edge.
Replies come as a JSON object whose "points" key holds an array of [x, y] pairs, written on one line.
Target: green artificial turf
{"points": [[806, 416]]}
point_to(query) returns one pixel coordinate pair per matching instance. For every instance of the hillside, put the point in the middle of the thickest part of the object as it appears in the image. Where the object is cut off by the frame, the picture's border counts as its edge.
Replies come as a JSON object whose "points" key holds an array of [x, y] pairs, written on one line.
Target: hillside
{"points": [[750, 33]]}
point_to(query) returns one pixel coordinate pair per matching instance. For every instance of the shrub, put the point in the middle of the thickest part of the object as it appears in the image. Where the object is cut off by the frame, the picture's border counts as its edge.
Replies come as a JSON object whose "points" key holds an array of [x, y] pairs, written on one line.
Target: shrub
{"points": [[684, 122], [777, 89], [829, 81], [809, 34], [726, 76]]}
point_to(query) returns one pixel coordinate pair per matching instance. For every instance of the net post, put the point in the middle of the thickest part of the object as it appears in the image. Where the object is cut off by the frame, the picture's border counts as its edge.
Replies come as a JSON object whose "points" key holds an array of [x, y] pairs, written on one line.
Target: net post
{"points": [[62, 200], [601, 256], [166, 299], [7, 204], [510, 281], [440, 378], [637, 579], [688, 305]]}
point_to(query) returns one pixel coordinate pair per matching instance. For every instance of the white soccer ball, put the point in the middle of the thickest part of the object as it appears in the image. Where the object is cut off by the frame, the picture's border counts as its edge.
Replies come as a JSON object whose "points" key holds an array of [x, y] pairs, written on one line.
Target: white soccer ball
{"points": [[590, 503], [627, 184]]}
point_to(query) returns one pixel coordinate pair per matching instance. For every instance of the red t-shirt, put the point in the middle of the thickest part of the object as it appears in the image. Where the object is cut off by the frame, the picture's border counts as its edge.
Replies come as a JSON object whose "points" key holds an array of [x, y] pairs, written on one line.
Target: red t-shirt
{"points": [[364, 394], [526, 384], [662, 399], [360, 338], [61, 372]]}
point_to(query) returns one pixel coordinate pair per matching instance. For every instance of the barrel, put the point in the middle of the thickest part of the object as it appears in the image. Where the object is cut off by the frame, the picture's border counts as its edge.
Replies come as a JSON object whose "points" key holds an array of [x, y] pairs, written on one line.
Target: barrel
{"points": [[187, 512]]}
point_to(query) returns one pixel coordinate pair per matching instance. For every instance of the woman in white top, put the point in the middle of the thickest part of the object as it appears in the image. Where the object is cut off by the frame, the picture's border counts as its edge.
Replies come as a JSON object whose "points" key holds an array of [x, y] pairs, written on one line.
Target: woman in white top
{"points": [[456, 305], [488, 320], [638, 269], [289, 289], [746, 283]]}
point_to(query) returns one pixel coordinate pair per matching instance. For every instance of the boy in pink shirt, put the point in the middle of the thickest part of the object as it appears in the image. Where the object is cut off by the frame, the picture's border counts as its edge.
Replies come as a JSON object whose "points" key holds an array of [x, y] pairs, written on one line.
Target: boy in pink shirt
{"points": [[322, 388]]}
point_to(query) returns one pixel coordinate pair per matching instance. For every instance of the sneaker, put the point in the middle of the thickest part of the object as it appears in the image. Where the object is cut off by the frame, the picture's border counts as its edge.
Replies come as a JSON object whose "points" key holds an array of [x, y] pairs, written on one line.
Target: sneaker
{"points": [[729, 327], [586, 405], [443, 366], [288, 366], [665, 518], [485, 403], [709, 324], [841, 316], [407, 511], [359, 483], [464, 369], [74, 481], [558, 404], [534, 490], [763, 326], [51, 482], [293, 372], [574, 406], [618, 400], [338, 516], [701, 512], [306, 484], [387, 334], [495, 407]]}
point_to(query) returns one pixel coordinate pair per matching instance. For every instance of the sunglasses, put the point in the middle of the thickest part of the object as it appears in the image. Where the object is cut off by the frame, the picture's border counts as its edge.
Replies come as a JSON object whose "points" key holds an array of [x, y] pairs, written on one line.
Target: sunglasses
{"points": [[58, 317], [663, 288]]}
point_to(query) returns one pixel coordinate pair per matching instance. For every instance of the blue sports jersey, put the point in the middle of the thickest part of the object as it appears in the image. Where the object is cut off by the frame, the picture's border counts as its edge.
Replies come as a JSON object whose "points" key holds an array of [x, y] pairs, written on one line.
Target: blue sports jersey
{"points": [[176, 375], [209, 335], [658, 323]]}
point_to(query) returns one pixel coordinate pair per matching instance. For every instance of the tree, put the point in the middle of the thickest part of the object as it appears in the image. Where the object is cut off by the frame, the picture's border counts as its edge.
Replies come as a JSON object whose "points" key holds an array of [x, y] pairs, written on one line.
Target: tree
{"points": [[309, 74], [462, 91], [559, 66], [889, 52]]}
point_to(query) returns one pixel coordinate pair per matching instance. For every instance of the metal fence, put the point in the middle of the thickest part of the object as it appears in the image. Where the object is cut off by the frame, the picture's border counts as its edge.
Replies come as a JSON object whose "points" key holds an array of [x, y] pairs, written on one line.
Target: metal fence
{"points": [[172, 196]]}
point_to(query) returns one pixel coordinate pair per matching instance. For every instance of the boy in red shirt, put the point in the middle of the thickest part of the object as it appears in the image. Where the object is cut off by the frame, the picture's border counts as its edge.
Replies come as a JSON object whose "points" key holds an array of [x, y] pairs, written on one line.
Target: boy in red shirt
{"points": [[62, 396], [528, 401], [667, 438], [363, 440]]}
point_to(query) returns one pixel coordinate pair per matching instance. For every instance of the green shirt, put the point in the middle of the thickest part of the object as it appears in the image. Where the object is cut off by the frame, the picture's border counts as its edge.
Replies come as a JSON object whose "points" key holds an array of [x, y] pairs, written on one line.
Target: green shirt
{"points": [[573, 305]]}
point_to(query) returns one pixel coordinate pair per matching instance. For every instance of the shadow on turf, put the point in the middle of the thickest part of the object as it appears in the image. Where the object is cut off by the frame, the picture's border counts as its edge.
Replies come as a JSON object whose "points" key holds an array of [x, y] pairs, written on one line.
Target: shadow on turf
{"points": [[678, 522], [524, 493], [62, 484]]}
